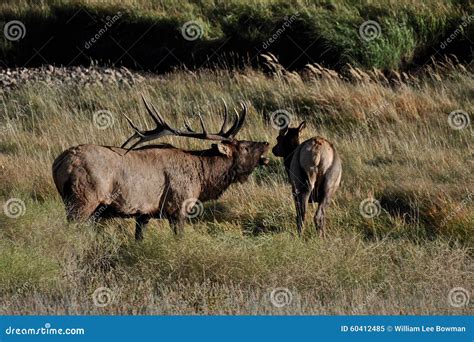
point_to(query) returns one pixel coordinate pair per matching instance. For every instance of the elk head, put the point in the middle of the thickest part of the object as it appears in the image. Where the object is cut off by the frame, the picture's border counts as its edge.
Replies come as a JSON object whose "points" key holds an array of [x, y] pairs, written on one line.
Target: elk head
{"points": [[287, 141], [246, 155]]}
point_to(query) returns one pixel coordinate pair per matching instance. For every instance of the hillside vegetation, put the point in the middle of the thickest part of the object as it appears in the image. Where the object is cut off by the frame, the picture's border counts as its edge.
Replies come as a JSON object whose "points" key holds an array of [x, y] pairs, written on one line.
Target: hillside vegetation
{"points": [[149, 34]]}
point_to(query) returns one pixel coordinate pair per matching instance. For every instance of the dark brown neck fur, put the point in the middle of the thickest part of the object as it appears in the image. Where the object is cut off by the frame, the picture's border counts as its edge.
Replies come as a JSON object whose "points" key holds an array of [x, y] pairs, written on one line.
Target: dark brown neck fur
{"points": [[288, 155], [218, 173]]}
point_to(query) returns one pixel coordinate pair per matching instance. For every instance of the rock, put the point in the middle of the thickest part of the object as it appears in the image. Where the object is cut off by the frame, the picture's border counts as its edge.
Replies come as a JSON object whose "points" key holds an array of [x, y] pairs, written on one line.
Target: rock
{"points": [[58, 76]]}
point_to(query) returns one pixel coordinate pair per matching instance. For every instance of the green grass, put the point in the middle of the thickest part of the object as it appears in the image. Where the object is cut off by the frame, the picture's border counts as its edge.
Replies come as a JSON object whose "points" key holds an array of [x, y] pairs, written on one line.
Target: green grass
{"points": [[233, 30], [244, 245]]}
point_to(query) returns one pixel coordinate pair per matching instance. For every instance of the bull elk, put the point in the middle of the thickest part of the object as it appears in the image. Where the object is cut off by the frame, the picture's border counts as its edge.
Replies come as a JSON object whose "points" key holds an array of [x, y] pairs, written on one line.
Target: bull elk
{"points": [[314, 170], [154, 181]]}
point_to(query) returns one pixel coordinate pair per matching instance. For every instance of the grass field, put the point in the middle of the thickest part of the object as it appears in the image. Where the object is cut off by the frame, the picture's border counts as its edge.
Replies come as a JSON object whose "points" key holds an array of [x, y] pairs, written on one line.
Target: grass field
{"points": [[396, 144]]}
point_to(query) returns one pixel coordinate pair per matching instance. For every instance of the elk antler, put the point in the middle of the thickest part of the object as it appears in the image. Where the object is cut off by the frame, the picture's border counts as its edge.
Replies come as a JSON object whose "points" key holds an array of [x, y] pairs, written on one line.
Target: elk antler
{"points": [[163, 129]]}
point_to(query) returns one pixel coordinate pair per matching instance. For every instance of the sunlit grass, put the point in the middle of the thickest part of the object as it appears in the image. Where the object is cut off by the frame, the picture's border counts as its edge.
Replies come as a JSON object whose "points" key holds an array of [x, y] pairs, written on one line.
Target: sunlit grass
{"points": [[244, 244]]}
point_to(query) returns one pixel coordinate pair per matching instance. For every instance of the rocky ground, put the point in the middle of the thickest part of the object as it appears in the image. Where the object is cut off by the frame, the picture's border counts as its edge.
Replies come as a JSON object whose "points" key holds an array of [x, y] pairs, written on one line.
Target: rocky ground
{"points": [[11, 78], [77, 75]]}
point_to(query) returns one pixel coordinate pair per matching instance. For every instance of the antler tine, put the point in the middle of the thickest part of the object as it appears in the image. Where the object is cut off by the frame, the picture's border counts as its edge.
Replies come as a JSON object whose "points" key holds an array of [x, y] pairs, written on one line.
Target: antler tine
{"points": [[224, 124], [188, 126], [137, 133], [133, 145], [133, 126], [204, 131], [154, 114], [239, 121], [242, 116], [162, 128], [160, 117]]}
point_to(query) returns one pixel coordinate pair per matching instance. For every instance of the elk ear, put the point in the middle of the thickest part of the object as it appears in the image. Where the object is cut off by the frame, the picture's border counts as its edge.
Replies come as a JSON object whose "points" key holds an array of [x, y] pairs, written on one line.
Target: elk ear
{"points": [[283, 130], [225, 149], [302, 126]]}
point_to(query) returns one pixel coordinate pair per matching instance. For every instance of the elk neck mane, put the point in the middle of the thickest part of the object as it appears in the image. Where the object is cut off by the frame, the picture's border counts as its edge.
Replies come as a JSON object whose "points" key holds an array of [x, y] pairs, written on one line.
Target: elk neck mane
{"points": [[218, 172]]}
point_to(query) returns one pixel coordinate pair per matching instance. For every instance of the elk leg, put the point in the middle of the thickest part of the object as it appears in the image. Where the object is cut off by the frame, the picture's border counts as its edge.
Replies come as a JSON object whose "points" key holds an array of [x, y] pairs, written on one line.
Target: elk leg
{"points": [[326, 191], [177, 223], [320, 219], [140, 227], [302, 184], [320, 216], [301, 200], [324, 200]]}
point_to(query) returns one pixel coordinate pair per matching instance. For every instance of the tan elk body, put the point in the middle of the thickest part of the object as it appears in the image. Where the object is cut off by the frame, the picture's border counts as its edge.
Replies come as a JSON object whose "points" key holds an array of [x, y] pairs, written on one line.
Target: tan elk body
{"points": [[314, 170], [157, 181]]}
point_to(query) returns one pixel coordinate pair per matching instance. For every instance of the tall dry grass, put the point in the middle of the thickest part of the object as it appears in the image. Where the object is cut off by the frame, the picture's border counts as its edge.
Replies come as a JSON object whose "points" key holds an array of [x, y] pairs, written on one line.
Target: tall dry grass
{"points": [[396, 146]]}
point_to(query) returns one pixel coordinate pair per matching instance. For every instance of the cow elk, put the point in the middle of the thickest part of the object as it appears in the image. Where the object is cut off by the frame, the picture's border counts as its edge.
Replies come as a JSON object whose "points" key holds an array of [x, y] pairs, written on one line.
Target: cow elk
{"points": [[154, 181], [314, 170]]}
